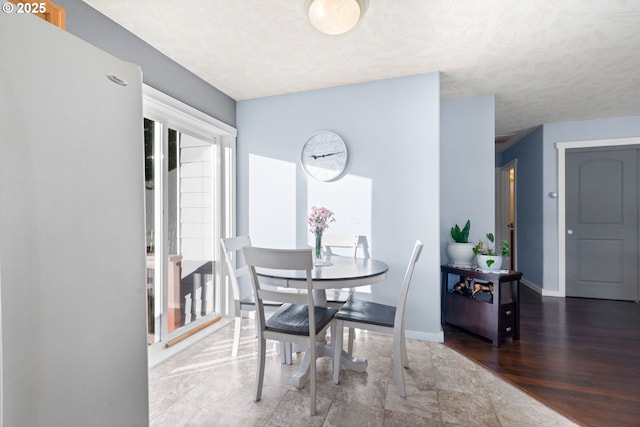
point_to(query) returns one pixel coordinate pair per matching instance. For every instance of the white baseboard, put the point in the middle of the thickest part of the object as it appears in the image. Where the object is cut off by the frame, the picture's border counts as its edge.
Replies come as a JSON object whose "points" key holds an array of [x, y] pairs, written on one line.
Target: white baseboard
{"points": [[425, 336], [541, 291], [557, 294]]}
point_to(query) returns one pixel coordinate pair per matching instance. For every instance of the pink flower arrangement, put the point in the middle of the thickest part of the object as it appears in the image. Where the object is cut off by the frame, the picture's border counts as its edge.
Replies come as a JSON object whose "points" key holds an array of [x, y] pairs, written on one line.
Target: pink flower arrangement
{"points": [[319, 219]]}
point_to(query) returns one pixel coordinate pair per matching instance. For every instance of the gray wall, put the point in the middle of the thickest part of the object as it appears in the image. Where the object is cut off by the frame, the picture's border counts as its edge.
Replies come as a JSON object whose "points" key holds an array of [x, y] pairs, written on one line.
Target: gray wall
{"points": [[390, 190], [158, 71], [72, 262], [467, 181], [529, 201]]}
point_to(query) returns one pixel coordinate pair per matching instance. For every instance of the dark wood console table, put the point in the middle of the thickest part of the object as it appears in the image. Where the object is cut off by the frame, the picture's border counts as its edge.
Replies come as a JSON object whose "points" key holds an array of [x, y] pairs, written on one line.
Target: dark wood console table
{"points": [[496, 319]]}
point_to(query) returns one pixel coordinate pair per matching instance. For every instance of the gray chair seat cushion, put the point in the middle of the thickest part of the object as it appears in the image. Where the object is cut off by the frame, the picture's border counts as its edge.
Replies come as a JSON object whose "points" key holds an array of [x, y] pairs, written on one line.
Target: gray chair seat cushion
{"points": [[367, 312], [294, 319]]}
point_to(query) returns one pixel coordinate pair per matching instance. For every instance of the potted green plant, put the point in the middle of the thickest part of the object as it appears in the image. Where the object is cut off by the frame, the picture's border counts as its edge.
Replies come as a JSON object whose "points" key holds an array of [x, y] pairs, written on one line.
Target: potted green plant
{"points": [[487, 256], [460, 251]]}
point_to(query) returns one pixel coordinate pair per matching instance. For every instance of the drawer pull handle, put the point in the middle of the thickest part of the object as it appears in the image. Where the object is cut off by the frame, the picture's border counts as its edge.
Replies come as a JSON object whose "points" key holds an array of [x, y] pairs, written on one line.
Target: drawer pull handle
{"points": [[508, 313], [508, 329]]}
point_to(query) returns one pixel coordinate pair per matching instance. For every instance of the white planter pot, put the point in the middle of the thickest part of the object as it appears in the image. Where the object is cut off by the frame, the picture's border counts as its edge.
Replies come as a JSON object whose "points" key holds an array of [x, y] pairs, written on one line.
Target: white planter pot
{"points": [[481, 260], [460, 254]]}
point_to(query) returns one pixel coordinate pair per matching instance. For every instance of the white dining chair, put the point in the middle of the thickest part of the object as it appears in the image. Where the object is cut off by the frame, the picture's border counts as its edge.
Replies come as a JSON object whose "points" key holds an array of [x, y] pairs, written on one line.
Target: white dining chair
{"points": [[298, 320], [349, 242], [231, 247], [341, 245], [380, 318]]}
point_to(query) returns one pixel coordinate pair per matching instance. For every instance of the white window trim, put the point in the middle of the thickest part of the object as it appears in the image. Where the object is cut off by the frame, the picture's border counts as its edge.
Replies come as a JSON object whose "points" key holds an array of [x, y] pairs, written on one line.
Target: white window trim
{"points": [[160, 107], [163, 107]]}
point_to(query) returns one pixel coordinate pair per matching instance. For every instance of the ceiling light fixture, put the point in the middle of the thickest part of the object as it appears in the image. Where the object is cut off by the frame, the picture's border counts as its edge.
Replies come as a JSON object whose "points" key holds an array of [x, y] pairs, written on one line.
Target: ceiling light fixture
{"points": [[335, 16]]}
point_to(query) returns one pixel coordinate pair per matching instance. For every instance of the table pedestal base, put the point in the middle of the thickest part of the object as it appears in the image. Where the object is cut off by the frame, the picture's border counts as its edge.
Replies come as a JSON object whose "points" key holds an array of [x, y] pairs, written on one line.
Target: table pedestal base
{"points": [[301, 377]]}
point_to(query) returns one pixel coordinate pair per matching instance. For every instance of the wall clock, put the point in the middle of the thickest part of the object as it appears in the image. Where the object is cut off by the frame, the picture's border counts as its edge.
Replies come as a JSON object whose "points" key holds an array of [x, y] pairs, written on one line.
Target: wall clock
{"points": [[324, 156]]}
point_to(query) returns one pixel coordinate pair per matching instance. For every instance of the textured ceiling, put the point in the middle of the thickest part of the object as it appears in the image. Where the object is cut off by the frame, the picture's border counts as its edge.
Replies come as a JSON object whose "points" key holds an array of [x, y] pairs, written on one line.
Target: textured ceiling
{"points": [[545, 61]]}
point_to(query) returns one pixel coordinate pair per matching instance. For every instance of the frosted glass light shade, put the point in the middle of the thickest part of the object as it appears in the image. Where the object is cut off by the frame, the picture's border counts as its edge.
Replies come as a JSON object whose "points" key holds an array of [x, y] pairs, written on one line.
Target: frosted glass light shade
{"points": [[334, 16]]}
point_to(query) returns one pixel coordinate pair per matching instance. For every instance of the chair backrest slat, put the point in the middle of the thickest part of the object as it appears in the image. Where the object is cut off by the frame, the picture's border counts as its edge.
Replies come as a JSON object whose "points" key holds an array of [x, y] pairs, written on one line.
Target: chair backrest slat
{"points": [[279, 259], [348, 241], [230, 247], [290, 297], [415, 255]]}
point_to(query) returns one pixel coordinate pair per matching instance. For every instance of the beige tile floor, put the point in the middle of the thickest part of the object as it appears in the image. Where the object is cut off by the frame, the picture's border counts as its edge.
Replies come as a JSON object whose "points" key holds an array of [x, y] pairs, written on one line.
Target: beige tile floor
{"points": [[204, 386]]}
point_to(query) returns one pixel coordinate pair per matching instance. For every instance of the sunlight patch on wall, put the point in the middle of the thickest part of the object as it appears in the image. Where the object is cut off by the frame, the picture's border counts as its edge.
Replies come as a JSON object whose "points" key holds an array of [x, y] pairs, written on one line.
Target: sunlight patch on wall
{"points": [[272, 202]]}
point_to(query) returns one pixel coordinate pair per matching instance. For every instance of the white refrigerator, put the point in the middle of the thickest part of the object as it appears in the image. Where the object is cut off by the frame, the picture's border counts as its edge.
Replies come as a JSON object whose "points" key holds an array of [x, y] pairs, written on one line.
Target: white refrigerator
{"points": [[72, 278]]}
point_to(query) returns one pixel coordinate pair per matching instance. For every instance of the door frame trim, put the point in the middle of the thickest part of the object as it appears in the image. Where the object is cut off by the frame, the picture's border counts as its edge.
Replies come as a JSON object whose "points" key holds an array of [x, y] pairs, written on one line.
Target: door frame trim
{"points": [[561, 147], [502, 203]]}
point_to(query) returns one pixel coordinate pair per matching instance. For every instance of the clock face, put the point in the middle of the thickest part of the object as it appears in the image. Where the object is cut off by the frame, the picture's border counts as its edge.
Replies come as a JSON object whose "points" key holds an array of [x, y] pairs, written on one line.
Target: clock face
{"points": [[324, 156]]}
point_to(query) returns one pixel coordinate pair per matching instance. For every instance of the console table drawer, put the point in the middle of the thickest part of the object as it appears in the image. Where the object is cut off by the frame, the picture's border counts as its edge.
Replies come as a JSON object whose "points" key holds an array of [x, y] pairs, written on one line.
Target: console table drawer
{"points": [[508, 311], [508, 327]]}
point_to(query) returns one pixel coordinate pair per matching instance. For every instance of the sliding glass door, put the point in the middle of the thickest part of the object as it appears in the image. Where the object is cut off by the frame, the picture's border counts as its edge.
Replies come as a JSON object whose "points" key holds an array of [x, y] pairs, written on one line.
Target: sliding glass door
{"points": [[187, 171]]}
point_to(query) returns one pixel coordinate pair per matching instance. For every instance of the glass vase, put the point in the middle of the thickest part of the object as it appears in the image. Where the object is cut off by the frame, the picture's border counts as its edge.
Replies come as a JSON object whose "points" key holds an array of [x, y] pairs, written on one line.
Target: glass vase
{"points": [[318, 248], [318, 260]]}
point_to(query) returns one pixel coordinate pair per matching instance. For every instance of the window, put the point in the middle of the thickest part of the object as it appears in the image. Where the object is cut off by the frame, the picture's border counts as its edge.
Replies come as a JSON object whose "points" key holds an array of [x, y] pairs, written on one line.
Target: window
{"points": [[189, 193]]}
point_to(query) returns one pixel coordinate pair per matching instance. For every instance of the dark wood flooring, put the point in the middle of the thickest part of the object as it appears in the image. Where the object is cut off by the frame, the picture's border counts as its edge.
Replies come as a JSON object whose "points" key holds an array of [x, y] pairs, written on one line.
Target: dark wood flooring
{"points": [[578, 356]]}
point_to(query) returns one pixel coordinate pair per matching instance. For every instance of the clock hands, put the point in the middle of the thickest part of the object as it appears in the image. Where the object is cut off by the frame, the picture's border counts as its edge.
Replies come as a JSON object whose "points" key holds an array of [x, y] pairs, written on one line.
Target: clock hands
{"points": [[318, 156]]}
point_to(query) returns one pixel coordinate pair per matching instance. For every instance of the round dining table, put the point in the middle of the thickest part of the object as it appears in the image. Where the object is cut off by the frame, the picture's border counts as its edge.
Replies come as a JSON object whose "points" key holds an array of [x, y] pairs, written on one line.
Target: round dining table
{"points": [[341, 272]]}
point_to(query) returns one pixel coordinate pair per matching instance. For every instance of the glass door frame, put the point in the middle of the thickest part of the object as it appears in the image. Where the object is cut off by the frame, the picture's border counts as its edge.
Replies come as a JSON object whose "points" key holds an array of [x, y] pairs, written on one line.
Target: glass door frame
{"points": [[173, 114]]}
